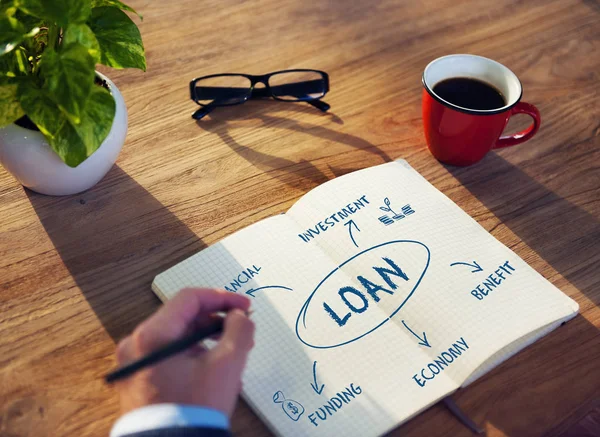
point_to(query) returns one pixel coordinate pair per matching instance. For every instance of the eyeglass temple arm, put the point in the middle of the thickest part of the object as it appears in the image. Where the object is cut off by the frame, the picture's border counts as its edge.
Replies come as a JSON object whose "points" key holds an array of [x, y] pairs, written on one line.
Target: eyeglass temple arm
{"points": [[259, 93], [205, 110], [299, 89], [319, 104], [302, 94], [202, 112]]}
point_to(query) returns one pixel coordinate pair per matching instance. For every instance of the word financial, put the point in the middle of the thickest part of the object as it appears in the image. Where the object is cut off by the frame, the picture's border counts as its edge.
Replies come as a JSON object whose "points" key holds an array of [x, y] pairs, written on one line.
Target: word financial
{"points": [[242, 278]]}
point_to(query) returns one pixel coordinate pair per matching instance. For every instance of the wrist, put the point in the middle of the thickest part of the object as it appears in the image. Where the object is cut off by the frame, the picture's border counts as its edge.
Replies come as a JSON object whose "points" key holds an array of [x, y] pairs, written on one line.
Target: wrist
{"points": [[160, 416]]}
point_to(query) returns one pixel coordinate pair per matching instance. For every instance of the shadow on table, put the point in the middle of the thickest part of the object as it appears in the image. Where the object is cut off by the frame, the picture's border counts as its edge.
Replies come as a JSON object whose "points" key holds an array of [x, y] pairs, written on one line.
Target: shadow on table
{"points": [[301, 175], [594, 5], [553, 368], [565, 236], [114, 239], [562, 233]]}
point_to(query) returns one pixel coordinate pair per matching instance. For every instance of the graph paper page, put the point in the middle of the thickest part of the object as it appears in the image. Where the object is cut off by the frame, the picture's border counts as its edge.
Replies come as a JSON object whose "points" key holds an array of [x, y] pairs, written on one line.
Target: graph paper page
{"points": [[374, 297], [466, 300], [299, 378]]}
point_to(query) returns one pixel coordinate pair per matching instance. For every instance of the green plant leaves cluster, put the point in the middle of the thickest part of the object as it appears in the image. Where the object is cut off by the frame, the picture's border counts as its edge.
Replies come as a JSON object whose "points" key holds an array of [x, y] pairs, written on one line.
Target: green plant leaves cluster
{"points": [[48, 53]]}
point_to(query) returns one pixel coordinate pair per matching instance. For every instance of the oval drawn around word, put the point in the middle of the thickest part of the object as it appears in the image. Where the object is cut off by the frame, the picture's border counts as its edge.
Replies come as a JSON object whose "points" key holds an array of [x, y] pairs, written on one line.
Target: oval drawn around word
{"points": [[362, 294]]}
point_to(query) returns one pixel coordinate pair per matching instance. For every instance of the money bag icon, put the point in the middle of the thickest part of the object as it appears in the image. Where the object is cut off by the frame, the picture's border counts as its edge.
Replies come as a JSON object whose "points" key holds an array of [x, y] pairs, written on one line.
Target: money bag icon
{"points": [[292, 408]]}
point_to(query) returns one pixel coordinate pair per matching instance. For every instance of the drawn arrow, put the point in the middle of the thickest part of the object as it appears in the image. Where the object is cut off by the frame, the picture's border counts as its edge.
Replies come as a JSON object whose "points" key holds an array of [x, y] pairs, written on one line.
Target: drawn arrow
{"points": [[315, 386], [422, 341], [349, 224], [476, 266], [254, 290]]}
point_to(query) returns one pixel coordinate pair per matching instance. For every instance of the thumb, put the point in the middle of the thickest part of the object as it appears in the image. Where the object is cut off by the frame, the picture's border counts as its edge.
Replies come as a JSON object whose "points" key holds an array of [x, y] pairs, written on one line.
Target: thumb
{"points": [[238, 334]]}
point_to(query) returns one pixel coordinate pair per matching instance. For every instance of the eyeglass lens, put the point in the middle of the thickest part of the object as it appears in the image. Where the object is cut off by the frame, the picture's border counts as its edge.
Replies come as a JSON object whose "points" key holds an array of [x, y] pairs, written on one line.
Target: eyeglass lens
{"points": [[222, 90], [297, 85], [290, 86]]}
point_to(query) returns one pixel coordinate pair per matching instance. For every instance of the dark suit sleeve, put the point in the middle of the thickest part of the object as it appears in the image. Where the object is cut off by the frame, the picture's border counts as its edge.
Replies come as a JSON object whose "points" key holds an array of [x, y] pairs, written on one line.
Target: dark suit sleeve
{"points": [[182, 432]]}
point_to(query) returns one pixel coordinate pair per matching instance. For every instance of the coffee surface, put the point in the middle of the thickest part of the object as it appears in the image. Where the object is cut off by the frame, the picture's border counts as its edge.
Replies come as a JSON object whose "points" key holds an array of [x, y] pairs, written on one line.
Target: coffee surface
{"points": [[470, 93]]}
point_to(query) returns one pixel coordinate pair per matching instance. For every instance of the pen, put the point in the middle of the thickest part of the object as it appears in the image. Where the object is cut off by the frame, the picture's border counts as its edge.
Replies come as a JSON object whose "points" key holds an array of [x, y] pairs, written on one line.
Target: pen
{"points": [[165, 352]]}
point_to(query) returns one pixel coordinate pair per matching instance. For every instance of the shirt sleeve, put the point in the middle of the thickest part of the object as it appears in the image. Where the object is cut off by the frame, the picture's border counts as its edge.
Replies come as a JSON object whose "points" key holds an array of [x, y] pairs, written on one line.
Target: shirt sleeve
{"points": [[161, 416]]}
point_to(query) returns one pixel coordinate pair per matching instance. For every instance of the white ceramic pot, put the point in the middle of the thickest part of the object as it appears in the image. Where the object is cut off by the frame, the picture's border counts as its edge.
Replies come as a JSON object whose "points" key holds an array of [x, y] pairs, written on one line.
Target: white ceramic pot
{"points": [[28, 157]]}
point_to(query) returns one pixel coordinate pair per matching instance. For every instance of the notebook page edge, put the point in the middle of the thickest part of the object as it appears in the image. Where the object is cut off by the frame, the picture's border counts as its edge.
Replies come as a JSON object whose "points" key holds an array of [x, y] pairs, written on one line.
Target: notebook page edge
{"points": [[339, 180], [163, 295], [519, 345]]}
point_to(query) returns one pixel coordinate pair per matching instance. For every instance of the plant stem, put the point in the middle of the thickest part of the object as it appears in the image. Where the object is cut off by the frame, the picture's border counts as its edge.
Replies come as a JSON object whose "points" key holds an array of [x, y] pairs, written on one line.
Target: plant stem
{"points": [[53, 36]]}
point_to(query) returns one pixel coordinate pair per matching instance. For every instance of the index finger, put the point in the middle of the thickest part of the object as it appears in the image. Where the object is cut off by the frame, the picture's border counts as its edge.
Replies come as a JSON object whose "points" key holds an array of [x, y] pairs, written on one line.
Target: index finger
{"points": [[174, 319]]}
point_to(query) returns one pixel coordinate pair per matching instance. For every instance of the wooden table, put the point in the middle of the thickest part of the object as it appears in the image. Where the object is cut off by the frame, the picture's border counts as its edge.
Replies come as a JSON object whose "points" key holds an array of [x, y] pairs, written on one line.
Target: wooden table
{"points": [[75, 272]]}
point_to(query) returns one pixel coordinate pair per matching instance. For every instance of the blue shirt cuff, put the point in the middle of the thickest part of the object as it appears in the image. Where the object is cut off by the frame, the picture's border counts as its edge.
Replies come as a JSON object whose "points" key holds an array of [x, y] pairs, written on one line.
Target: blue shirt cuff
{"points": [[161, 416]]}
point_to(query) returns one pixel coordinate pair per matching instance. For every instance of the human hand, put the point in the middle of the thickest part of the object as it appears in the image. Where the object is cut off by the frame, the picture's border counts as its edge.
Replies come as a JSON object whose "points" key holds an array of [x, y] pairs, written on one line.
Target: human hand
{"points": [[197, 376]]}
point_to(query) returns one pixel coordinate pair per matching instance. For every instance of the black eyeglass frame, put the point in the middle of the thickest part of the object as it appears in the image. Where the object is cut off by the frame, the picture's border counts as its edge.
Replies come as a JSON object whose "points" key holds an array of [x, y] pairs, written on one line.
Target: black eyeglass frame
{"points": [[260, 92]]}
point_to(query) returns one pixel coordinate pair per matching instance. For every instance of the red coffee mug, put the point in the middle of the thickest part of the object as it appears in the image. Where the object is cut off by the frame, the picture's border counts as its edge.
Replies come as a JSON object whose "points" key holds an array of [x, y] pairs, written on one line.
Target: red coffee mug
{"points": [[462, 136]]}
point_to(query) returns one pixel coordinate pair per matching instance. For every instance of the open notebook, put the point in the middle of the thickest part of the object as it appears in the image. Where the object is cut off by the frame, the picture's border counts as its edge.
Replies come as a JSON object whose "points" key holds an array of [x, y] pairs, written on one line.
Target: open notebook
{"points": [[374, 297]]}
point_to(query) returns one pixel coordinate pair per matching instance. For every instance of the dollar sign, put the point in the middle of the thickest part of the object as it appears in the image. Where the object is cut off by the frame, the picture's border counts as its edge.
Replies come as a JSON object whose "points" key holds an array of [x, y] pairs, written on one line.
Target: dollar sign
{"points": [[293, 408]]}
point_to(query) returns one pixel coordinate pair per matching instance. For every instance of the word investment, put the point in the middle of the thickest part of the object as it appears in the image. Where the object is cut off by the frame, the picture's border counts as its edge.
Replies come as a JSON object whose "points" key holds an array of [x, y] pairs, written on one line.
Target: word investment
{"points": [[334, 218]]}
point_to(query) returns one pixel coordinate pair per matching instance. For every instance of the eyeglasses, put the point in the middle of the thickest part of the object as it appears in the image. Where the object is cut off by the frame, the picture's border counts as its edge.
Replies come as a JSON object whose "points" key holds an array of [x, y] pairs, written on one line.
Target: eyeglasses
{"points": [[233, 89]]}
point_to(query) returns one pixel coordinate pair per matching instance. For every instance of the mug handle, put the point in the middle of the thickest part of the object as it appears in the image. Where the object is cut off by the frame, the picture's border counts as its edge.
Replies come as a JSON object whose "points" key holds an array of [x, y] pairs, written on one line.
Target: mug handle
{"points": [[524, 135]]}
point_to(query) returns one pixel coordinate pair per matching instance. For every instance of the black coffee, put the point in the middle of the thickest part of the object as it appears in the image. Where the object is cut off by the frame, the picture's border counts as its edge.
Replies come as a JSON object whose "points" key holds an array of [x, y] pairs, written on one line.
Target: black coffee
{"points": [[470, 93]]}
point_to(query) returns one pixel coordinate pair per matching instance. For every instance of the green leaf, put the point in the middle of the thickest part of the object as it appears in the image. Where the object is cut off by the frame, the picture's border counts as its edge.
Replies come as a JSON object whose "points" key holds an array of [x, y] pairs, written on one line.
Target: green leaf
{"points": [[82, 34], [75, 143], [119, 38], [12, 33], [72, 142], [29, 21], [69, 76], [10, 108], [61, 12], [97, 119], [14, 64], [8, 8], [116, 4], [41, 109]]}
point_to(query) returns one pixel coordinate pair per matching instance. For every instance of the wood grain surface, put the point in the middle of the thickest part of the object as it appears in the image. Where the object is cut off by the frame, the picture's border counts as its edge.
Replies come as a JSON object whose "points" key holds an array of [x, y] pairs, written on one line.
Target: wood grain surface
{"points": [[75, 272]]}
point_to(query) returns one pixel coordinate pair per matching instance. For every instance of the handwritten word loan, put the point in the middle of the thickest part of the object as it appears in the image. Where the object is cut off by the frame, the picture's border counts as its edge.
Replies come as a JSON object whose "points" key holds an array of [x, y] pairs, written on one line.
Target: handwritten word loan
{"points": [[371, 289]]}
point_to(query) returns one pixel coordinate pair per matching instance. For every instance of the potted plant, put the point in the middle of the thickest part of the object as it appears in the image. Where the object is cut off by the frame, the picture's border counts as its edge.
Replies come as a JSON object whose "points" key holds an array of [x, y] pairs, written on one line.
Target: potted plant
{"points": [[62, 123]]}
